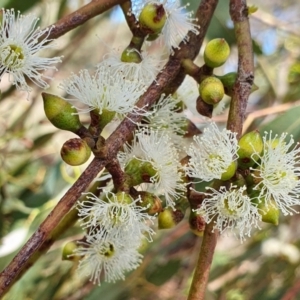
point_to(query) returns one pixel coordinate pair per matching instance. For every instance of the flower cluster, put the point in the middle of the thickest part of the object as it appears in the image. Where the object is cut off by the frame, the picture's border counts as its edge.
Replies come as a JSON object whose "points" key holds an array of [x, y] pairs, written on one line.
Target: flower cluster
{"points": [[277, 173], [152, 153], [213, 154], [230, 209], [20, 41], [178, 22], [106, 91], [116, 227], [272, 183]]}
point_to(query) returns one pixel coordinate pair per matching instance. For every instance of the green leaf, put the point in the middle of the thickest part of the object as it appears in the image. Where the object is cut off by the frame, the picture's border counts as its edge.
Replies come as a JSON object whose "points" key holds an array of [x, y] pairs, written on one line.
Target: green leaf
{"points": [[287, 122]]}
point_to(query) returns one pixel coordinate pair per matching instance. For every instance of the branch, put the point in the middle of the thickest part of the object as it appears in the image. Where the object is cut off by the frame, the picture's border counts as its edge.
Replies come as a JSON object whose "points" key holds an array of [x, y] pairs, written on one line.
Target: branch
{"points": [[80, 16], [200, 279], [245, 77]]}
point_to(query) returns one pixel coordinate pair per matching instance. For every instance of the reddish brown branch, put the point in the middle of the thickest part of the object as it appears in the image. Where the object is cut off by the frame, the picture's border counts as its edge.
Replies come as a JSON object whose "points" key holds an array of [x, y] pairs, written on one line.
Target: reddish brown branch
{"points": [[244, 81], [202, 269], [80, 16]]}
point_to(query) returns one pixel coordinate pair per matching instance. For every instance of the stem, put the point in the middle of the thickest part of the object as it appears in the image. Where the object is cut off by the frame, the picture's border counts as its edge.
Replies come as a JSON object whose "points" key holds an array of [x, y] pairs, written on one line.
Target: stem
{"points": [[80, 16], [118, 176], [245, 77], [200, 279], [132, 22]]}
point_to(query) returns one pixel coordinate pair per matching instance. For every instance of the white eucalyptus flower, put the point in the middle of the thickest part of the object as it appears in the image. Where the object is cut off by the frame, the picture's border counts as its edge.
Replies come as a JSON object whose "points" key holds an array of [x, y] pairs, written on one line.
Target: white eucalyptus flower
{"points": [[156, 148], [278, 172], [166, 117], [116, 212], [178, 22], [103, 91], [108, 255], [212, 153], [144, 71], [230, 209], [20, 41]]}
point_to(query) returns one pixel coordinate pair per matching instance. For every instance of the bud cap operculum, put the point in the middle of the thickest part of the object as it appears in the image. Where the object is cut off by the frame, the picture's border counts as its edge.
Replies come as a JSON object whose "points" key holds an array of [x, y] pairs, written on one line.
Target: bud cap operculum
{"points": [[61, 113]]}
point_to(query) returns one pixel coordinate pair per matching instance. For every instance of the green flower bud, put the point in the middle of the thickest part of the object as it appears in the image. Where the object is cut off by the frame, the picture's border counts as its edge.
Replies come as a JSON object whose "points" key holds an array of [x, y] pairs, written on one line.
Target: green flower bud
{"points": [[131, 55], [139, 171], [169, 218], [211, 90], [122, 197], [216, 53], [151, 202], [153, 18], [75, 152], [67, 251], [61, 113], [250, 143], [252, 9], [229, 172], [197, 223], [269, 213], [228, 81]]}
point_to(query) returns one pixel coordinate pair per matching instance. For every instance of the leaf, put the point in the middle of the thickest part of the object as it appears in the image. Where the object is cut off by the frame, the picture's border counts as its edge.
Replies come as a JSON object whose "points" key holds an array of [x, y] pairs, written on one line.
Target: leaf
{"points": [[287, 122]]}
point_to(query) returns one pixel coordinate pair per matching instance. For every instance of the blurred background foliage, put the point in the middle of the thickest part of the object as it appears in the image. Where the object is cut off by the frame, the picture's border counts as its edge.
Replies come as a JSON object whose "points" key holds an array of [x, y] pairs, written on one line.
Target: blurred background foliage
{"points": [[33, 177]]}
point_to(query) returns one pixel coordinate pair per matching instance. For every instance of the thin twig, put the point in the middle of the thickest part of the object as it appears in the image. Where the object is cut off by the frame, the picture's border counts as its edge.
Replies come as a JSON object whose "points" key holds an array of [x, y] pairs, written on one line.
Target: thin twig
{"points": [[80, 16], [245, 77]]}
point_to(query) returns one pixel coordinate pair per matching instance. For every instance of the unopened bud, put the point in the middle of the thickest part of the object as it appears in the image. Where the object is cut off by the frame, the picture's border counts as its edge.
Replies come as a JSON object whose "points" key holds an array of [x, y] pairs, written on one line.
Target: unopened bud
{"points": [[211, 90], [169, 218], [251, 146], [153, 18], [139, 171], [61, 113], [269, 211], [229, 172], [131, 55], [216, 53], [197, 223], [75, 152], [252, 9], [67, 251]]}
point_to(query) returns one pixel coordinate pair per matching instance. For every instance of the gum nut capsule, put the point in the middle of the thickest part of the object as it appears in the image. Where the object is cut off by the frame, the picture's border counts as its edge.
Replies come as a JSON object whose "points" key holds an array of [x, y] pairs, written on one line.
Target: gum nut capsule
{"points": [[75, 152], [153, 18], [216, 53], [211, 90]]}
